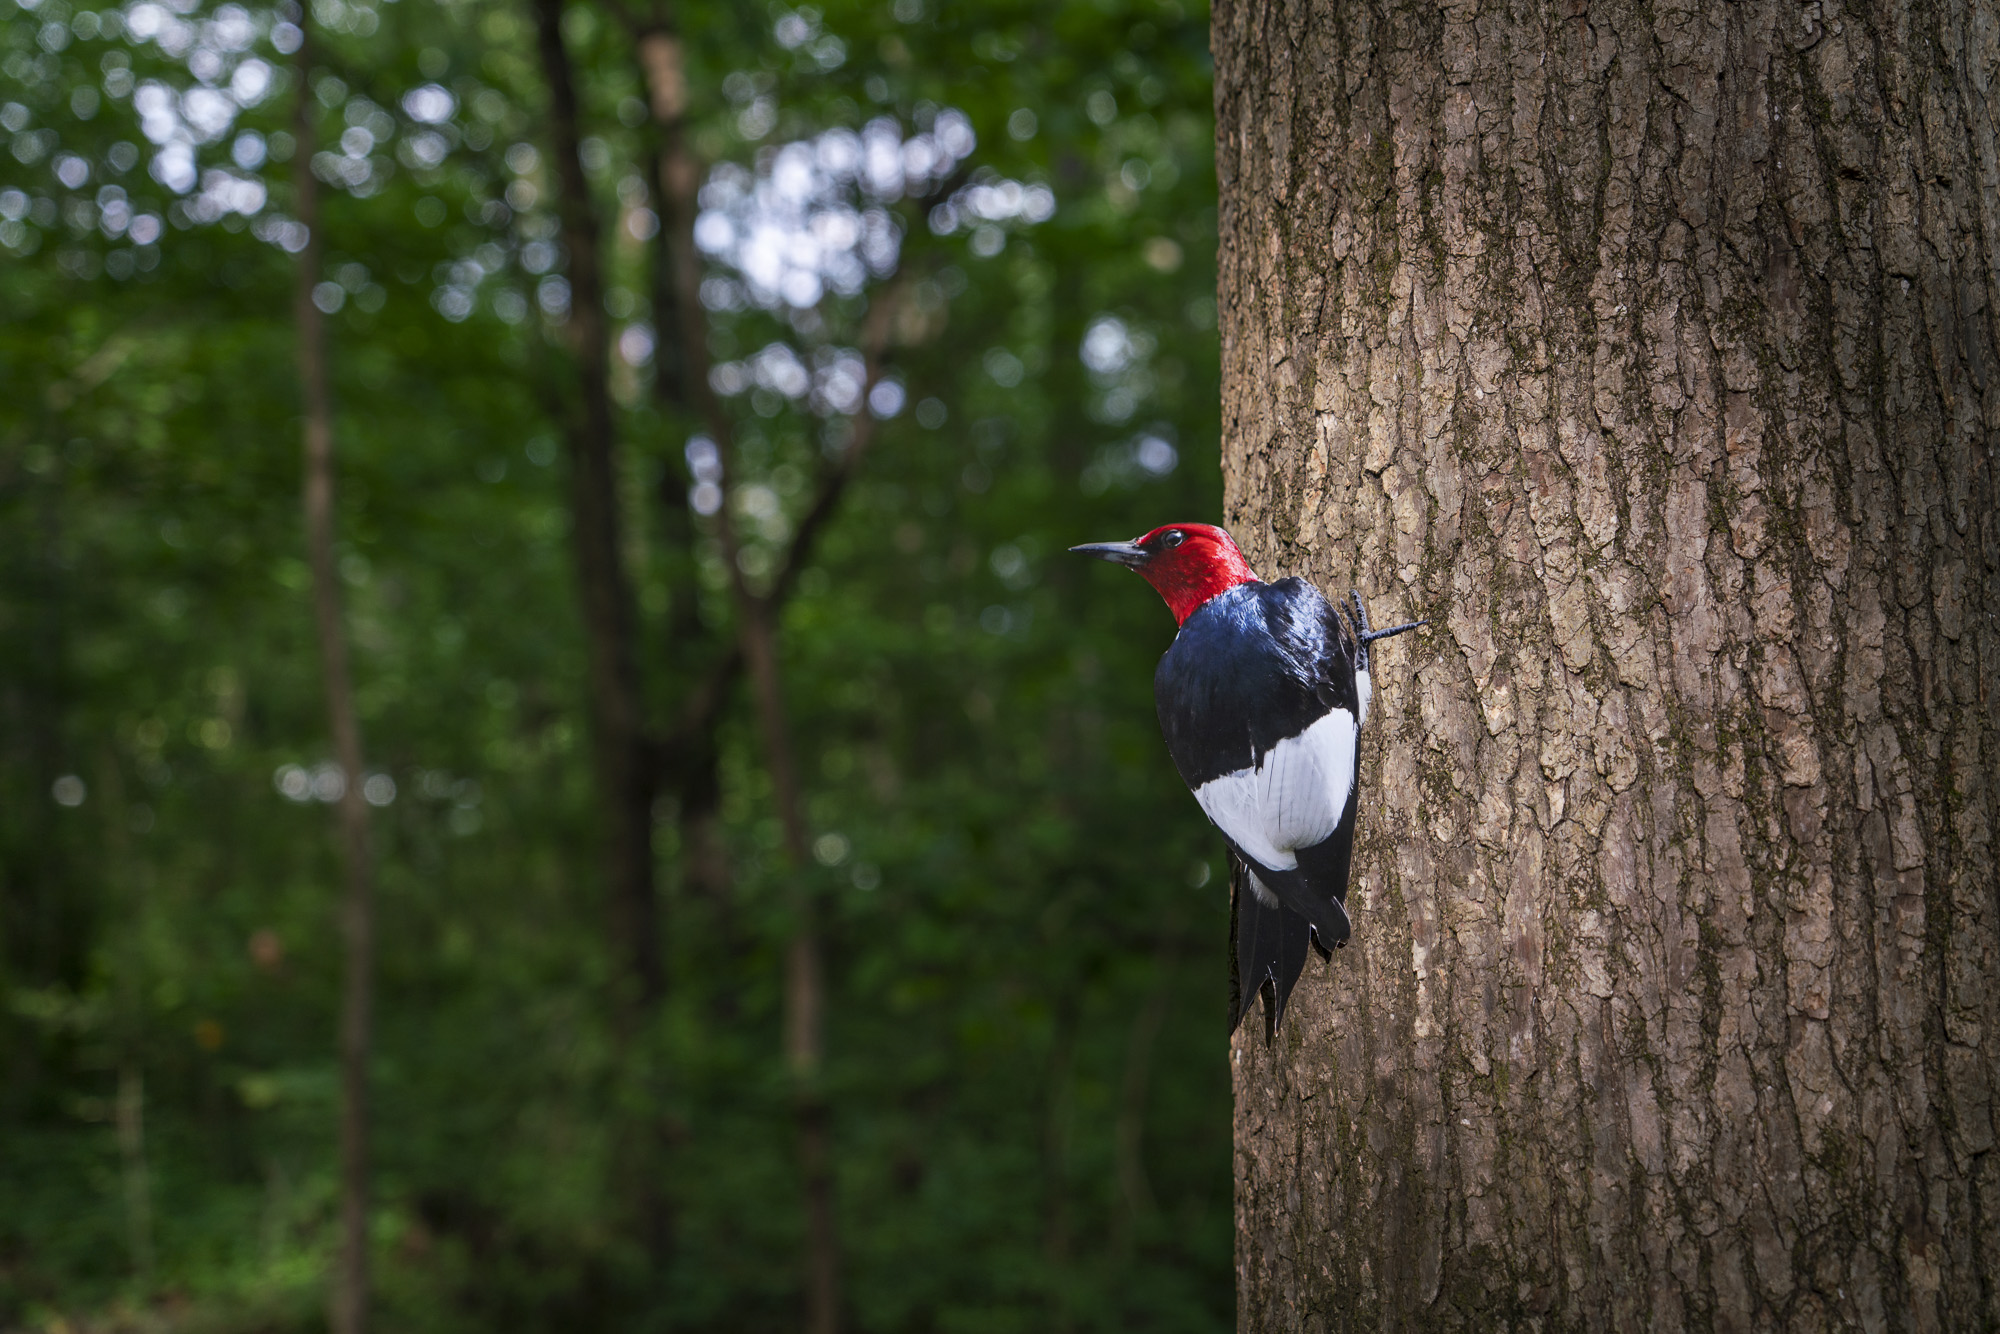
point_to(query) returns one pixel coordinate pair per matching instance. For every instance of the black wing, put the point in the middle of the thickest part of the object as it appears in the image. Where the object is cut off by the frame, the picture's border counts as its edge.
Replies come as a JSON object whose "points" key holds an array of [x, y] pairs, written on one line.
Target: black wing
{"points": [[1252, 667]]}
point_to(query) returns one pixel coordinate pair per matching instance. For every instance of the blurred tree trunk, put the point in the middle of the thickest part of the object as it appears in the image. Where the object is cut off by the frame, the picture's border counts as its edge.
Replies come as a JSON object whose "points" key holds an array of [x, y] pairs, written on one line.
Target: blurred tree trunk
{"points": [[681, 379], [1652, 352], [624, 766], [684, 349], [357, 912], [691, 759], [622, 746], [805, 979], [136, 1180]]}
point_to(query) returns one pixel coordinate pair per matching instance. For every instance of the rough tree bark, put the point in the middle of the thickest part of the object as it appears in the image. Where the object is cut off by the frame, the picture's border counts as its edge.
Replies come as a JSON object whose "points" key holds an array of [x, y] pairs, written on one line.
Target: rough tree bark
{"points": [[349, 1297], [1651, 350]]}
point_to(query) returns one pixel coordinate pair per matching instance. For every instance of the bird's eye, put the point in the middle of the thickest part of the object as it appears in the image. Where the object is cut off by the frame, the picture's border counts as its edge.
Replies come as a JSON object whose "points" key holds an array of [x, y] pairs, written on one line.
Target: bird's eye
{"points": [[1174, 538]]}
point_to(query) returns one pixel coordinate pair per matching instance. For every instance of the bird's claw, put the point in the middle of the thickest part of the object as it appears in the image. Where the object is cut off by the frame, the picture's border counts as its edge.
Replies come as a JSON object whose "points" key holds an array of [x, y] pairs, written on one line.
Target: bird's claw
{"points": [[1364, 636]]}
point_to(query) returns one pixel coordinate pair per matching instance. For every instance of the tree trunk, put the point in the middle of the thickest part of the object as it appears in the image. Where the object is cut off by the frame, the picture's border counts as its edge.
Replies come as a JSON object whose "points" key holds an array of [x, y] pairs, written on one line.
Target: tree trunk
{"points": [[682, 376], [131, 1119], [620, 745], [349, 1298], [1652, 352], [681, 379], [622, 748]]}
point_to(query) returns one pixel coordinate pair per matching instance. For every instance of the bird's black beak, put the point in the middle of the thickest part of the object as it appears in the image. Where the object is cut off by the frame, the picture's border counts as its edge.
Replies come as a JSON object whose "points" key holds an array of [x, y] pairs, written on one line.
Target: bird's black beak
{"points": [[1122, 553]]}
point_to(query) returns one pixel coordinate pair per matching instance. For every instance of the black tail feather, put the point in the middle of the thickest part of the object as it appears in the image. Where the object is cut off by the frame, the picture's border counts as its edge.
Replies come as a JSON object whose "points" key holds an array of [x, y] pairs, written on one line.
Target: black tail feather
{"points": [[1268, 951]]}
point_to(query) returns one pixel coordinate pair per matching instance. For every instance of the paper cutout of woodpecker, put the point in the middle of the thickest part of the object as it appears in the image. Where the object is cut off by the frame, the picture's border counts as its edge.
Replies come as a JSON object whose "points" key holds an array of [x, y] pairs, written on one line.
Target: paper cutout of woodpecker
{"points": [[1262, 696]]}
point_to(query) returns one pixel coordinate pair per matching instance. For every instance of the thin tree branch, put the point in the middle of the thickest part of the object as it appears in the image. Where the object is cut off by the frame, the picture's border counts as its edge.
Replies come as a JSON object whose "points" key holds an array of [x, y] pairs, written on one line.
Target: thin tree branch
{"points": [[704, 704], [357, 916], [875, 335], [660, 62]]}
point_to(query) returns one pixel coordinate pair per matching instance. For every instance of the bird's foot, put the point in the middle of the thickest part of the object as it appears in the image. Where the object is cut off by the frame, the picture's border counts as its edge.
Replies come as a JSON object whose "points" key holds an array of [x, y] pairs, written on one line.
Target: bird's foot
{"points": [[1368, 636]]}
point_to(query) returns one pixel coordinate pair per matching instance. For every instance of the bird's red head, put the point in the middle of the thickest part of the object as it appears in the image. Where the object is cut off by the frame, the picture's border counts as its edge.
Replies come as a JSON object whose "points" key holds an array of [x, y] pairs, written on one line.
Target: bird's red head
{"points": [[1188, 563]]}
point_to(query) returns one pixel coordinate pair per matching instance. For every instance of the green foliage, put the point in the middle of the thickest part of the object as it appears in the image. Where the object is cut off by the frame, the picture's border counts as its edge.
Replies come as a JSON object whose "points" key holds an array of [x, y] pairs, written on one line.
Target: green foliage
{"points": [[1024, 915]]}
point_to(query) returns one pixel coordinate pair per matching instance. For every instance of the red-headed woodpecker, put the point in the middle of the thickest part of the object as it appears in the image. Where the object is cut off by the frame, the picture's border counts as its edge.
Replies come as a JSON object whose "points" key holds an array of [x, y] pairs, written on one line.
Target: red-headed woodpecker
{"points": [[1262, 697]]}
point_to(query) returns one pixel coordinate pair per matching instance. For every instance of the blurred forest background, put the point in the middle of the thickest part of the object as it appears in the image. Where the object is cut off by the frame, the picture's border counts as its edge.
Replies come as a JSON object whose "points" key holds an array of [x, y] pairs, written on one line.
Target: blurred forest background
{"points": [[975, 238]]}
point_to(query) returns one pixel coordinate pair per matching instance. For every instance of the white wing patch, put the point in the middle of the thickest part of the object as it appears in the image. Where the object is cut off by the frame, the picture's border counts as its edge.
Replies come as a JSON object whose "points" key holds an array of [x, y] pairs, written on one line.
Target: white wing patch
{"points": [[1293, 799], [1366, 690]]}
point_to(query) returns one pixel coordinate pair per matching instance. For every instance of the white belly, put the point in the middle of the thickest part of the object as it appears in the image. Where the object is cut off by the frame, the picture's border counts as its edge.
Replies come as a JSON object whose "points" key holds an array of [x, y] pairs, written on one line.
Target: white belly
{"points": [[1294, 798]]}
